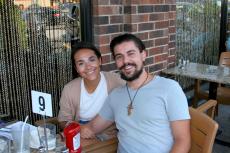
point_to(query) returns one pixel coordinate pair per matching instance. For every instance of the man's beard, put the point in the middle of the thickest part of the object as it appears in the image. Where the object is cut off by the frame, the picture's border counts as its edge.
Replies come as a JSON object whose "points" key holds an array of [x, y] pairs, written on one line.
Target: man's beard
{"points": [[135, 76]]}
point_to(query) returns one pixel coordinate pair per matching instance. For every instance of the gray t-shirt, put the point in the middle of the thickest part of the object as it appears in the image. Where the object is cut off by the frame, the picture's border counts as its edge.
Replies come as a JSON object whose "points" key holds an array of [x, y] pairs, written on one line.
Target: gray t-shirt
{"points": [[147, 129]]}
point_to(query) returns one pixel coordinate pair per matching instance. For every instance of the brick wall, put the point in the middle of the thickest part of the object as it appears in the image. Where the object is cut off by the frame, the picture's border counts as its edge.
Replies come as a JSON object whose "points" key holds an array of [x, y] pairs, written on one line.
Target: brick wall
{"points": [[151, 20]]}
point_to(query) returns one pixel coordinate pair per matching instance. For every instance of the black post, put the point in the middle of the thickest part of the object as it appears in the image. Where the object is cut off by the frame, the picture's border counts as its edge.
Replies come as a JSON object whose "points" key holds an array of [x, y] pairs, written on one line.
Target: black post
{"points": [[223, 25], [86, 20]]}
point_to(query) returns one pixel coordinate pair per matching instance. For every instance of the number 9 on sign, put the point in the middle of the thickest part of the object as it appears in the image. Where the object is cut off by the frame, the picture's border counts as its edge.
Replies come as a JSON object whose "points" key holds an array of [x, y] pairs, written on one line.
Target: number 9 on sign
{"points": [[41, 103]]}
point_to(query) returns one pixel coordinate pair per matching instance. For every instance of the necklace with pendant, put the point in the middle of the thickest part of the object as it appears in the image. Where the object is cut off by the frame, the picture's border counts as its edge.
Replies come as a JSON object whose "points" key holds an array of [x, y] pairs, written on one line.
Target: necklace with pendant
{"points": [[130, 106]]}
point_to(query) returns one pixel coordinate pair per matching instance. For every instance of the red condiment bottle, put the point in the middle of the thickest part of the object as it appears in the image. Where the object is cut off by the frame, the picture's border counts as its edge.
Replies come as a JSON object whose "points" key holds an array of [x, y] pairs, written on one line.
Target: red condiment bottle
{"points": [[72, 135]]}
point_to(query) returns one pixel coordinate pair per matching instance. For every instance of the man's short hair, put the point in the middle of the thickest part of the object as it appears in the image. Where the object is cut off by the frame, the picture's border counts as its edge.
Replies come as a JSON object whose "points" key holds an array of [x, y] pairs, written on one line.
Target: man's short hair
{"points": [[126, 37]]}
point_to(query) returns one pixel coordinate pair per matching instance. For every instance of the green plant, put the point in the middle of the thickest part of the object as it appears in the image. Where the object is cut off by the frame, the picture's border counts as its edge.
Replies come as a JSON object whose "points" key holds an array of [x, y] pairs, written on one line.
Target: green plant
{"points": [[12, 19]]}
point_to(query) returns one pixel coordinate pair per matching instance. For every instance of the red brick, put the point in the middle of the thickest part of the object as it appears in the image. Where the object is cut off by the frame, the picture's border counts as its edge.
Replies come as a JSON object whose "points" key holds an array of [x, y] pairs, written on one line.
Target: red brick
{"points": [[108, 29], [106, 10], [172, 23], [170, 1], [161, 41], [115, 2], [130, 27], [100, 2], [143, 35], [172, 51], [95, 11], [104, 49], [145, 26], [128, 2], [144, 1], [172, 37], [106, 58], [127, 18], [171, 59], [156, 67], [172, 8], [145, 9], [148, 43], [172, 15], [156, 50], [172, 29], [104, 39], [161, 24], [156, 17], [166, 16], [149, 60], [114, 35], [140, 18], [172, 44], [109, 67], [136, 18], [99, 20], [116, 19], [171, 65], [161, 8], [158, 33], [130, 9], [160, 58]]}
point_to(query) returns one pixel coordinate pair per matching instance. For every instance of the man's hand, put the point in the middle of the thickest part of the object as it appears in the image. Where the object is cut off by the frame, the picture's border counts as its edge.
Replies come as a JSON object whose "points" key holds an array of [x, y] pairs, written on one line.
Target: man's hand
{"points": [[86, 132], [95, 126]]}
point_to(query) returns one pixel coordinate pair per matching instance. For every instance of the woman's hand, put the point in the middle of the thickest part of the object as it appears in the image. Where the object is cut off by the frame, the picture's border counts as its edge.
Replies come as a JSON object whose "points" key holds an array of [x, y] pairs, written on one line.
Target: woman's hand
{"points": [[86, 132]]}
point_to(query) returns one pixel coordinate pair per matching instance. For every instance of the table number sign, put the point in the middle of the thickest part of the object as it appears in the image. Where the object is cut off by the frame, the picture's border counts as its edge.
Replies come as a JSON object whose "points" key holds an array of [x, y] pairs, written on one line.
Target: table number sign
{"points": [[41, 103]]}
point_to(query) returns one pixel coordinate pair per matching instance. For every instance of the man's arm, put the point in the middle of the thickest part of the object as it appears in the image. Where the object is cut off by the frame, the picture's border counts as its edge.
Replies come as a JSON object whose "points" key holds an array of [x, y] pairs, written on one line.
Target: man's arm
{"points": [[181, 135], [95, 126]]}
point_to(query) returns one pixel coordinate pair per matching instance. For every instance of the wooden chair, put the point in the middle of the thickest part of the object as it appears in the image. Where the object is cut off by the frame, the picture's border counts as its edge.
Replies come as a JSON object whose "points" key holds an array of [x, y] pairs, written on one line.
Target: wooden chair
{"points": [[208, 108], [203, 127], [223, 93]]}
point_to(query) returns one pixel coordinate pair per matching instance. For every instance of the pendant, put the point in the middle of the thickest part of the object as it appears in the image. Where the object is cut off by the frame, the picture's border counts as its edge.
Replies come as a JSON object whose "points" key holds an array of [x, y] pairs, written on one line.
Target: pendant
{"points": [[130, 108]]}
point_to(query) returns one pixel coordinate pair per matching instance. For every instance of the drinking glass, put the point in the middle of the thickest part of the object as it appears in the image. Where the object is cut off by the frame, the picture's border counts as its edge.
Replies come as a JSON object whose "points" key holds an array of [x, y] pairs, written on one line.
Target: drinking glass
{"points": [[21, 138], [47, 134]]}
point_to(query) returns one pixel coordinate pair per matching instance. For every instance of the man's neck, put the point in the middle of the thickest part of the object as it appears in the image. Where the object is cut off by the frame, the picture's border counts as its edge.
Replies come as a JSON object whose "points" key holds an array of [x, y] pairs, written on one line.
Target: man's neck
{"points": [[135, 84]]}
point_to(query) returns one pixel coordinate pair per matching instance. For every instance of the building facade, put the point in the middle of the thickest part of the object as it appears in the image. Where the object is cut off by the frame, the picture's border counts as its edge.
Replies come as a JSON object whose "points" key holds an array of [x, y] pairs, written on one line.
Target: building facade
{"points": [[151, 20]]}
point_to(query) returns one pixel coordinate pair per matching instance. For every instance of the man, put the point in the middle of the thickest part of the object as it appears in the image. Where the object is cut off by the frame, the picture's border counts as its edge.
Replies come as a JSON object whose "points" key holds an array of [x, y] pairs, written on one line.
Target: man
{"points": [[150, 112]]}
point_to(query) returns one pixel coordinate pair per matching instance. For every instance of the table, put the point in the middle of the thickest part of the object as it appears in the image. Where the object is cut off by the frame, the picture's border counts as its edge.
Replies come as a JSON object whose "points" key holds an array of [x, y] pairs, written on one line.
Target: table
{"points": [[92, 145], [213, 74], [96, 146]]}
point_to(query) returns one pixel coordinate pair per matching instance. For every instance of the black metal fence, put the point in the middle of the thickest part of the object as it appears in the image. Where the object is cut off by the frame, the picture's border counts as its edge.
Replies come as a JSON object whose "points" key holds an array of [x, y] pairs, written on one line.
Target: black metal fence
{"points": [[35, 54]]}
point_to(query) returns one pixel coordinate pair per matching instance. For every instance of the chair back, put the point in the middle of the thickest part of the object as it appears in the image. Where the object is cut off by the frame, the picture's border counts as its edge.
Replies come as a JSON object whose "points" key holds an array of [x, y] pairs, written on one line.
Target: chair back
{"points": [[223, 93], [203, 132], [208, 107], [224, 59]]}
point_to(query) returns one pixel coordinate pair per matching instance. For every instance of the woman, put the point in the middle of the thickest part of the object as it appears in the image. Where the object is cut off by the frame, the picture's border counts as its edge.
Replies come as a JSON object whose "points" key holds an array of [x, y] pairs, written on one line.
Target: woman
{"points": [[83, 97]]}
